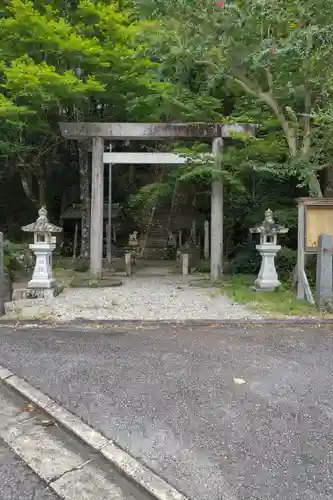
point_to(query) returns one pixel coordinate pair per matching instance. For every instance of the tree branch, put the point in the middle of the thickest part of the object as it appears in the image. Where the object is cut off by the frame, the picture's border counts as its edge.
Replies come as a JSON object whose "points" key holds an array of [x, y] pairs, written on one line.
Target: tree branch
{"points": [[306, 143], [246, 85], [268, 98], [269, 78], [205, 63], [288, 130]]}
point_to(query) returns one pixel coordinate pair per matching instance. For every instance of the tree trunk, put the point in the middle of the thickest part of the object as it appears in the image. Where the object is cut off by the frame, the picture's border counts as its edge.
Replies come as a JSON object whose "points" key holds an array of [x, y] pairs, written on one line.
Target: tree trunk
{"points": [[42, 194], [314, 186], [41, 187], [83, 150], [328, 192], [41, 182], [27, 185]]}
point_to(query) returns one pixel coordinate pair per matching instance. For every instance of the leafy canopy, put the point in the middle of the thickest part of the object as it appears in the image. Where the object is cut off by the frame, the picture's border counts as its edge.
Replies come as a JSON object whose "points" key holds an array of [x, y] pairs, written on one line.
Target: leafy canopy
{"points": [[277, 52]]}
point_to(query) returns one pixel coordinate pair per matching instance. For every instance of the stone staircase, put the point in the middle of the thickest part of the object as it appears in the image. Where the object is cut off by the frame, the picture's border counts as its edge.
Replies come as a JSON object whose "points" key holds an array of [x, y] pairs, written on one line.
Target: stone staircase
{"points": [[157, 238], [156, 247]]}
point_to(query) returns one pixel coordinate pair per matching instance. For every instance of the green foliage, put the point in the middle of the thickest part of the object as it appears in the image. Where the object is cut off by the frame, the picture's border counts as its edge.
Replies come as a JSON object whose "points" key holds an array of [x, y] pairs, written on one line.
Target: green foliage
{"points": [[277, 54], [149, 195], [246, 261], [64, 61], [285, 264], [16, 258]]}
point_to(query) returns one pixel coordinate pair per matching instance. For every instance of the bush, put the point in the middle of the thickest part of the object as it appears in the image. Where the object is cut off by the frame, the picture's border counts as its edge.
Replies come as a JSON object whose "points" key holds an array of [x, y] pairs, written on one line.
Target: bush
{"points": [[17, 259], [311, 269], [285, 262], [246, 261], [203, 267]]}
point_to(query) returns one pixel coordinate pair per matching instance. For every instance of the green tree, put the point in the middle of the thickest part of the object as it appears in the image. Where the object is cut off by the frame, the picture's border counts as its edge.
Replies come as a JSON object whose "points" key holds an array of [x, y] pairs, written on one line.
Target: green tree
{"points": [[65, 61], [276, 52], [38, 50]]}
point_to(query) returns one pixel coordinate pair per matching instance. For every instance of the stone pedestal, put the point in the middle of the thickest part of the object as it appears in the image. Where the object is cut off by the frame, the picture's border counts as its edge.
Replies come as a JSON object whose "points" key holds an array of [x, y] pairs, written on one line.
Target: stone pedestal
{"points": [[324, 277], [185, 263], [42, 275], [267, 279], [128, 263]]}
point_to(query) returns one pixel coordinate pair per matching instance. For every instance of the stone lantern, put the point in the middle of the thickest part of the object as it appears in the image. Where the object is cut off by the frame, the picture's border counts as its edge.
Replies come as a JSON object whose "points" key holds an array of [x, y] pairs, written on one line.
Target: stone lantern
{"points": [[43, 246], [268, 230]]}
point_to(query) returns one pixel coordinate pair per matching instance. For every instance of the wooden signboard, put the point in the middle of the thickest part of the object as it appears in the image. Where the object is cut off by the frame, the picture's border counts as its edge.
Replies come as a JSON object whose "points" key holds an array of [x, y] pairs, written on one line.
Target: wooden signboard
{"points": [[318, 219], [315, 217]]}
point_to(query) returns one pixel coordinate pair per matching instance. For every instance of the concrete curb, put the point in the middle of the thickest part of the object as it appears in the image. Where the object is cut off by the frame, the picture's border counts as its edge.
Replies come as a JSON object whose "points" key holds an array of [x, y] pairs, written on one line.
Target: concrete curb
{"points": [[131, 468], [79, 324]]}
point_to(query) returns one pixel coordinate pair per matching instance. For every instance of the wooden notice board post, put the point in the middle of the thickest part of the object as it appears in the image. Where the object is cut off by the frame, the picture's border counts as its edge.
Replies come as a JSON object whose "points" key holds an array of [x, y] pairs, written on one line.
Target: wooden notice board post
{"points": [[315, 217]]}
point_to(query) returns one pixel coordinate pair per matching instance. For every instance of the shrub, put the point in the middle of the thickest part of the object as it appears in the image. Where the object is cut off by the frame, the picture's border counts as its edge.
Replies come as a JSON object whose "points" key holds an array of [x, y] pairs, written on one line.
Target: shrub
{"points": [[285, 262], [246, 261], [18, 258], [203, 267]]}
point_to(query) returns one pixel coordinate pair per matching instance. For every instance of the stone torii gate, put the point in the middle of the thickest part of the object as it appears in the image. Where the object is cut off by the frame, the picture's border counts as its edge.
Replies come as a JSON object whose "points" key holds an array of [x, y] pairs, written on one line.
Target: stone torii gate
{"points": [[97, 132]]}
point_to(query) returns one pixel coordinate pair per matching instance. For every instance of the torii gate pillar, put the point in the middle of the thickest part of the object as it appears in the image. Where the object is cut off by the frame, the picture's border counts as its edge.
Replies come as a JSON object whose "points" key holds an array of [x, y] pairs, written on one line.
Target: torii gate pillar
{"points": [[216, 215], [97, 207]]}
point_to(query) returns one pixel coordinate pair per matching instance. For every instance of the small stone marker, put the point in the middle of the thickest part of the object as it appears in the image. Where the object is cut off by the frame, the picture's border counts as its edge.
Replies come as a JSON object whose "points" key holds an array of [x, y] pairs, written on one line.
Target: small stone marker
{"points": [[128, 263], [206, 240], [324, 280], [180, 238], [172, 242], [185, 260]]}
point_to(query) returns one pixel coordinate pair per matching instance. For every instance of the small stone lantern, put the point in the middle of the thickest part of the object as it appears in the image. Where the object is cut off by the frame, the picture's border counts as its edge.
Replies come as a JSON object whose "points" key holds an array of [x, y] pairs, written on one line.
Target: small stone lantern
{"points": [[43, 246], [267, 278]]}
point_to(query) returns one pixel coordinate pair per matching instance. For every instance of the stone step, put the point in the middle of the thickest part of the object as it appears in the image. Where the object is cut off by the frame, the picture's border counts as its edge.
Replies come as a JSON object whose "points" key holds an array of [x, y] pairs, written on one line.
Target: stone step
{"points": [[154, 253], [157, 230], [156, 242]]}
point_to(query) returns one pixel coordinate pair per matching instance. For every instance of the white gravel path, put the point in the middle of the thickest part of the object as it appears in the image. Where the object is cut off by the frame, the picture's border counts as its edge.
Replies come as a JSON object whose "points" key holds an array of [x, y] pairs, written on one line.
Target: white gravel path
{"points": [[139, 298]]}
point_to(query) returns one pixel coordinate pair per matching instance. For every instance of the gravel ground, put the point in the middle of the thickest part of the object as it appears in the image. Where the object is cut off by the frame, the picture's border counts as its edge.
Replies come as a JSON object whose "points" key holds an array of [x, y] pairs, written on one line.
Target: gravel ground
{"points": [[143, 298]]}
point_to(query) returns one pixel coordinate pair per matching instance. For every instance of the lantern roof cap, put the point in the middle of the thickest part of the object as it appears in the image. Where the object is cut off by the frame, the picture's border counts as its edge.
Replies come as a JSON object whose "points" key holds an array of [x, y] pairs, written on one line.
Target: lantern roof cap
{"points": [[42, 224], [269, 226]]}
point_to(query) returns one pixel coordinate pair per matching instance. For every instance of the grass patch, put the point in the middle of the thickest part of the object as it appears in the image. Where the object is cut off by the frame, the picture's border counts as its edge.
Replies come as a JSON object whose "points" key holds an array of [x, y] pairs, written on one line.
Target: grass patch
{"points": [[282, 302]]}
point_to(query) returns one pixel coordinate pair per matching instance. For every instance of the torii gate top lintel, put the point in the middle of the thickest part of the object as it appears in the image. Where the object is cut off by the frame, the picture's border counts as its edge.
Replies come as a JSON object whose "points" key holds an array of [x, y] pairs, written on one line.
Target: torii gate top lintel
{"points": [[153, 131]]}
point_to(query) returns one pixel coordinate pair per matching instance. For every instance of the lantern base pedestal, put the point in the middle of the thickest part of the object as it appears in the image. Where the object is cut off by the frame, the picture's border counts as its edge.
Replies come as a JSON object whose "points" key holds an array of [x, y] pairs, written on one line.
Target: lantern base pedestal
{"points": [[47, 283], [265, 287], [267, 280], [37, 293]]}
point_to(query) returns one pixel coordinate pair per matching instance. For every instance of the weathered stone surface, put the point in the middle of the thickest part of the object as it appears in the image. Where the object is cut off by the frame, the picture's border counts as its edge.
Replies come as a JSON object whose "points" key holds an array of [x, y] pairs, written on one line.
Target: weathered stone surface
{"points": [[42, 224], [185, 263], [153, 131], [324, 271], [8, 288]]}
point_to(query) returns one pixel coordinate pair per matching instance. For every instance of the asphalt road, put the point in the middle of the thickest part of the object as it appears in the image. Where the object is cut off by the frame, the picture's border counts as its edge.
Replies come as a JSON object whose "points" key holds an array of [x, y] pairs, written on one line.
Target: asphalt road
{"points": [[18, 481], [233, 413]]}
